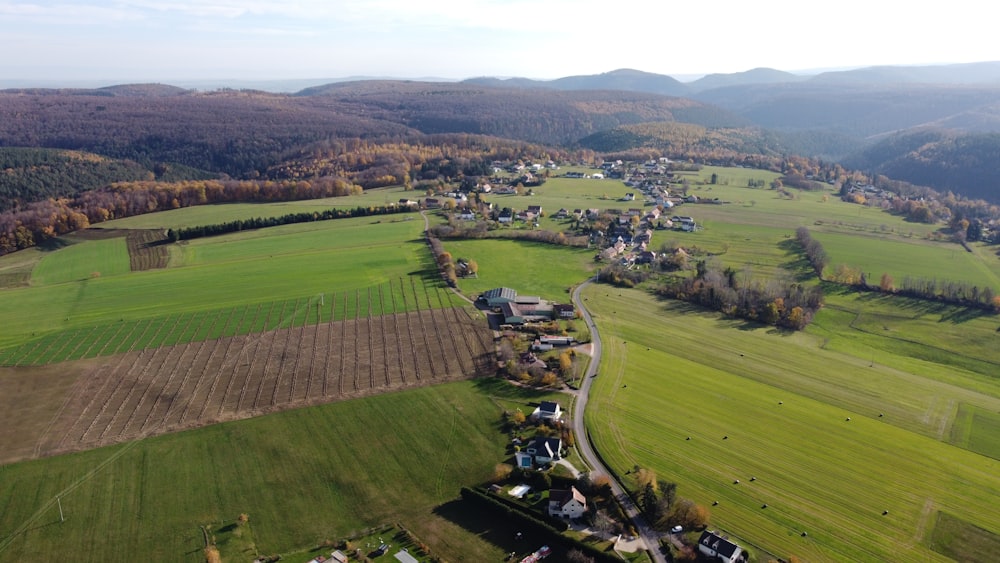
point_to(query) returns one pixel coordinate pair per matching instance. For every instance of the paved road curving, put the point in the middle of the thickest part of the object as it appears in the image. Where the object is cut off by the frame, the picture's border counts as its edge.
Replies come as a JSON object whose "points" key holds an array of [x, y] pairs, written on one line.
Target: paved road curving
{"points": [[583, 445]]}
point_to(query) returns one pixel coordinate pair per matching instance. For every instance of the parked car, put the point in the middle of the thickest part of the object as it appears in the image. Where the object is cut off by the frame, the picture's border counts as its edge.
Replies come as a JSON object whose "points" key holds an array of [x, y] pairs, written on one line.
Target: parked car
{"points": [[676, 529]]}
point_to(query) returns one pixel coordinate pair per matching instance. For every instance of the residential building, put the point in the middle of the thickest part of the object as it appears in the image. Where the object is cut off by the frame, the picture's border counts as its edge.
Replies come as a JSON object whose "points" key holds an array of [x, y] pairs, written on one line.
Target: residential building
{"points": [[711, 544], [567, 503]]}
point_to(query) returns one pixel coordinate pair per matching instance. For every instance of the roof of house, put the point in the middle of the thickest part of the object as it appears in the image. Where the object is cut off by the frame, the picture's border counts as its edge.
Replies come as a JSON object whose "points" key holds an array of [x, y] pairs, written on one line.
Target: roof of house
{"points": [[563, 496], [717, 543], [549, 407], [545, 445]]}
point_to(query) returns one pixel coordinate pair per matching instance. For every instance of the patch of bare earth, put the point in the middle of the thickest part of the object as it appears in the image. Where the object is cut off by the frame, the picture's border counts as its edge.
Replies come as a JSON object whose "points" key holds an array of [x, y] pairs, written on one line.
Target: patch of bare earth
{"points": [[148, 392], [147, 249]]}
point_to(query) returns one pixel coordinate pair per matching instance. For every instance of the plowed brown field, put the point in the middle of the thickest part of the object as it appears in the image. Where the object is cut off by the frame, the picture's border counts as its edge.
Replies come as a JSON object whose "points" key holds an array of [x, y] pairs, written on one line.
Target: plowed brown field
{"points": [[153, 391]]}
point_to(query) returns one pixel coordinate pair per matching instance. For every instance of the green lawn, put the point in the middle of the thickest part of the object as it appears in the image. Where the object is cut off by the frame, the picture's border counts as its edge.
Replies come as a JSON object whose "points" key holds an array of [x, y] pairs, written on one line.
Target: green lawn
{"points": [[529, 268], [303, 476], [761, 403]]}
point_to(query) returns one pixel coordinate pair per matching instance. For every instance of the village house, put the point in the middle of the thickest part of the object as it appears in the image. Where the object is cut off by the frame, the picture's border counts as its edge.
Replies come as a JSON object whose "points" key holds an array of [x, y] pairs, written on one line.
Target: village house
{"points": [[541, 450], [645, 257], [432, 203], [713, 545], [467, 214], [567, 503], [547, 410]]}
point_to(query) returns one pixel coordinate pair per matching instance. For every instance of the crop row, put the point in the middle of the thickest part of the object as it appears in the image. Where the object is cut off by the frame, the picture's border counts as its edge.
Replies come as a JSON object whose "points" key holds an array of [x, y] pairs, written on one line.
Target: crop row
{"points": [[154, 390], [395, 296]]}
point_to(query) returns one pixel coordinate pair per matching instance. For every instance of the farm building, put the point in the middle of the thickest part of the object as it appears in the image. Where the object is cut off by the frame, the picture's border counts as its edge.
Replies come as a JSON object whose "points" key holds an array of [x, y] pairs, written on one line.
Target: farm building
{"points": [[556, 340], [567, 503], [494, 297], [538, 346], [564, 311], [548, 410], [712, 544]]}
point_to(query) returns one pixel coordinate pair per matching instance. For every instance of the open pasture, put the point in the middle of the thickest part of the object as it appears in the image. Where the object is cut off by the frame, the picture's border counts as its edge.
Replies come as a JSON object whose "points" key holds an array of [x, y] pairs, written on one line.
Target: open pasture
{"points": [[832, 438], [303, 476], [530, 268], [226, 212], [221, 273], [396, 296], [164, 388]]}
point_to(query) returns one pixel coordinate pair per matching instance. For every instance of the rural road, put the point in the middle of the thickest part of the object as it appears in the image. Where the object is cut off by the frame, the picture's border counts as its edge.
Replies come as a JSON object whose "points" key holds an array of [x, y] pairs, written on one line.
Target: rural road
{"points": [[649, 536]]}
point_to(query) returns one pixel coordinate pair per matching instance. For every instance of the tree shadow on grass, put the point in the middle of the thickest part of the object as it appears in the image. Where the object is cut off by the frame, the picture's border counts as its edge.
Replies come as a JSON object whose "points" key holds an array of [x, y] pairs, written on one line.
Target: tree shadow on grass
{"points": [[53, 244], [499, 387], [797, 263], [499, 532]]}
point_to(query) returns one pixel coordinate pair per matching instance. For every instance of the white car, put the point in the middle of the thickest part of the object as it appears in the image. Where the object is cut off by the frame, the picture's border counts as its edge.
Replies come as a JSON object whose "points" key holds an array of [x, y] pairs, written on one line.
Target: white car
{"points": [[676, 530]]}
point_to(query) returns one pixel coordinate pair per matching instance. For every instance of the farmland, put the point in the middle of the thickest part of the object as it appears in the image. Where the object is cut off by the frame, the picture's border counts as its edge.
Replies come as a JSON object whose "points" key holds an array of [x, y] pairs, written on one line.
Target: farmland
{"points": [[303, 475], [833, 438], [351, 312], [166, 388]]}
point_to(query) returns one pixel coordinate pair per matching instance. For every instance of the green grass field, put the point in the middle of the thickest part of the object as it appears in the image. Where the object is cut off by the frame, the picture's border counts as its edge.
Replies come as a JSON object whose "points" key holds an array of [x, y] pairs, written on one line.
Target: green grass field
{"points": [[774, 405], [82, 261], [219, 273], [529, 268], [303, 476]]}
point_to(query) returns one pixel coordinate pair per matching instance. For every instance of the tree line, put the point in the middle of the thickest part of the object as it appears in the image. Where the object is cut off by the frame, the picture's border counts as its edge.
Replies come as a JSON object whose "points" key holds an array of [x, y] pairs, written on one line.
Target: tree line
{"points": [[953, 292], [189, 233], [814, 252], [43, 220], [777, 302]]}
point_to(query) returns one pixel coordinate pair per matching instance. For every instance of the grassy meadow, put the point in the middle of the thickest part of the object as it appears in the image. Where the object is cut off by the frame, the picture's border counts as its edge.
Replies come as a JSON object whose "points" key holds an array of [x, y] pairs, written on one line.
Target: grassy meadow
{"points": [[225, 273], [800, 415], [303, 476], [530, 268]]}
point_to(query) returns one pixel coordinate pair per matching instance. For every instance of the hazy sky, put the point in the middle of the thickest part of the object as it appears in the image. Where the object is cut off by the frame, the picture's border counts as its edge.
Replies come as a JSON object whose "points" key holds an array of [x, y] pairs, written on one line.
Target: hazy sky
{"points": [[163, 40]]}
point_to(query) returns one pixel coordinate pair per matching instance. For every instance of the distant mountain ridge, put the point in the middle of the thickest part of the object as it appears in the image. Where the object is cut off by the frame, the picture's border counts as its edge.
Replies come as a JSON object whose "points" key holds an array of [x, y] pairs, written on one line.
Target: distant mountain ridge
{"points": [[982, 73]]}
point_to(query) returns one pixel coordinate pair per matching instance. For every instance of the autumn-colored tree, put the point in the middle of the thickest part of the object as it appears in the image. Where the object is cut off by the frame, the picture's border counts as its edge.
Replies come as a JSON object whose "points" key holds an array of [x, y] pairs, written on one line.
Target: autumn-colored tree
{"points": [[472, 267], [885, 284], [518, 417], [796, 318], [688, 514], [501, 472], [212, 555], [565, 364]]}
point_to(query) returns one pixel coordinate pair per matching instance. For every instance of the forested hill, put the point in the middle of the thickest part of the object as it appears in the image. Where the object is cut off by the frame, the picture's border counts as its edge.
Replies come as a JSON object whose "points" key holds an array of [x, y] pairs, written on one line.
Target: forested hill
{"points": [[945, 160], [243, 133], [535, 115], [231, 132]]}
